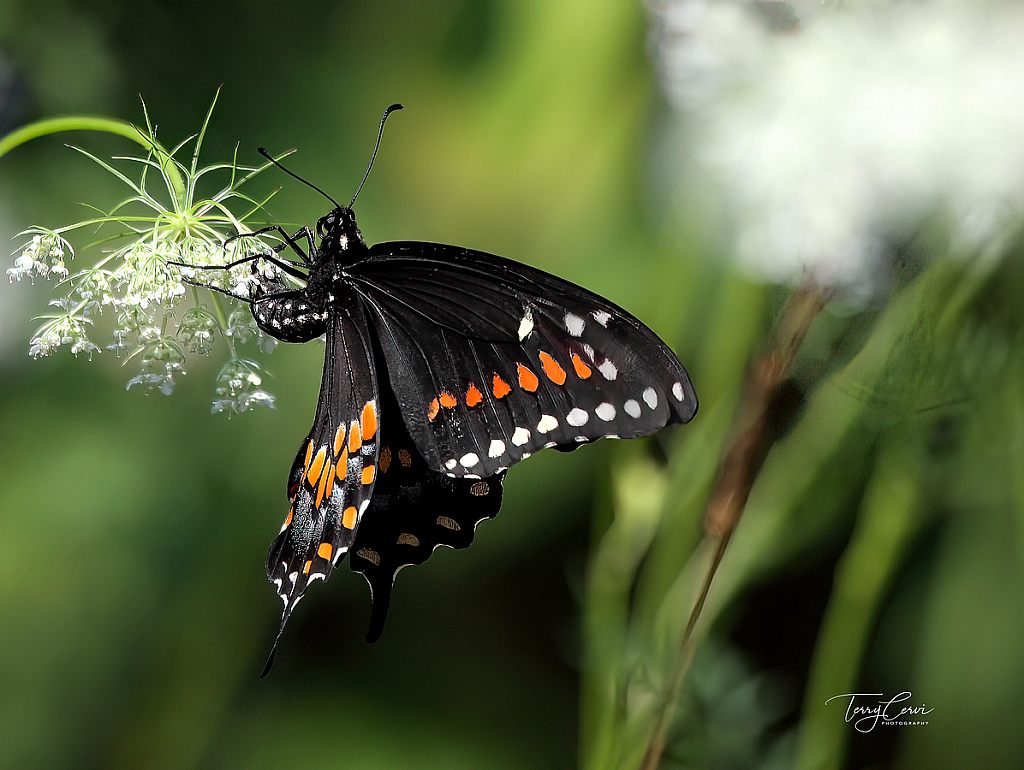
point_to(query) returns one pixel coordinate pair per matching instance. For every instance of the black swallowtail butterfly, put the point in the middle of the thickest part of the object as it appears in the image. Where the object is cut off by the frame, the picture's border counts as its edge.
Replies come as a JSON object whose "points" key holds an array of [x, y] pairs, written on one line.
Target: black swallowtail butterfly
{"points": [[443, 368]]}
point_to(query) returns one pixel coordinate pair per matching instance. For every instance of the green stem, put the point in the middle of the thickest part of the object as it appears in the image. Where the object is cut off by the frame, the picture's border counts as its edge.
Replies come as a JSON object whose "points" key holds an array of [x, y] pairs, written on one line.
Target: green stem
{"points": [[638, 497], [222, 319], [123, 128], [889, 519]]}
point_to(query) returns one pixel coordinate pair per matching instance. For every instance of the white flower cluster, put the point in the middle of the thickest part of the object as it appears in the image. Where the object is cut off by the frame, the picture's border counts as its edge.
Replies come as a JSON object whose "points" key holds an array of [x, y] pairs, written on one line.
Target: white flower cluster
{"points": [[42, 257], [238, 388], [833, 141], [170, 247], [143, 290]]}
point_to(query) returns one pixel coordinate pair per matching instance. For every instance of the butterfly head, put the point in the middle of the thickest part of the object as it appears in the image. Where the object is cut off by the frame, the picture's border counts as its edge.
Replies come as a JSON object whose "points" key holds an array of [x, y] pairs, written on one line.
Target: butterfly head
{"points": [[338, 232]]}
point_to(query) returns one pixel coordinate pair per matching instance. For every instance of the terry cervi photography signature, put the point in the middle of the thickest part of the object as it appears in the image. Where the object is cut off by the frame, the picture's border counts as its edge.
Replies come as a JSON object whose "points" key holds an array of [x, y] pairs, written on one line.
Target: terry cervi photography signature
{"points": [[869, 709]]}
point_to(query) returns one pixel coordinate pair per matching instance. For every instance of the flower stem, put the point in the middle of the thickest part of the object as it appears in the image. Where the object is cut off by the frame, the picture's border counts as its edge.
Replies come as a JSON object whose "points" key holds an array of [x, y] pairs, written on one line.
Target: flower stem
{"points": [[888, 520], [123, 128], [737, 473]]}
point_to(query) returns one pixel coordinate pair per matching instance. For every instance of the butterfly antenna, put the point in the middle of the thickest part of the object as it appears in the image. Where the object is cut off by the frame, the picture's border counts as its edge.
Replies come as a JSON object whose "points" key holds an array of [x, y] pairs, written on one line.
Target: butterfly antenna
{"points": [[380, 133], [262, 151]]}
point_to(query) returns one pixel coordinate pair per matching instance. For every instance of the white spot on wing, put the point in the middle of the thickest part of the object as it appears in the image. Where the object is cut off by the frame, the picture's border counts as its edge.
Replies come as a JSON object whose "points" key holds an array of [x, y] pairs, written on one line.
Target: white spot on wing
{"points": [[496, 449], [677, 391], [469, 459], [521, 436], [608, 369], [577, 417], [605, 411], [574, 324], [526, 325], [632, 408], [601, 317], [547, 423], [450, 465], [650, 398]]}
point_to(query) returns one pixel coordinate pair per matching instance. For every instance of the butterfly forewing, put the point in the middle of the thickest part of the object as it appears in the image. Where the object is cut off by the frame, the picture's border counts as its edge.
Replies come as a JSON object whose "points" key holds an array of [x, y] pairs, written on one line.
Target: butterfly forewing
{"points": [[515, 361], [332, 478]]}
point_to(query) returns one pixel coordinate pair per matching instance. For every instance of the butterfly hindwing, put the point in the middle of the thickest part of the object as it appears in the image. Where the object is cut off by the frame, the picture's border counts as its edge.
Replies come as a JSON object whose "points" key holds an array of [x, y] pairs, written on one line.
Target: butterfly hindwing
{"points": [[413, 510], [333, 476], [493, 360]]}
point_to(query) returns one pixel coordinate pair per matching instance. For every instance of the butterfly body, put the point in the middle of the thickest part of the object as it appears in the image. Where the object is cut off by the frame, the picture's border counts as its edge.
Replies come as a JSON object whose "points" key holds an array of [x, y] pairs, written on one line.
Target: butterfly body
{"points": [[443, 368], [294, 316]]}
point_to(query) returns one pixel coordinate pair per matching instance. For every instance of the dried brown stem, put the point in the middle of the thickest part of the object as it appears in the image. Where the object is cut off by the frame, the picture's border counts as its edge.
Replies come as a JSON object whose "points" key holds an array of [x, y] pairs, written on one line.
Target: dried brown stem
{"points": [[738, 470]]}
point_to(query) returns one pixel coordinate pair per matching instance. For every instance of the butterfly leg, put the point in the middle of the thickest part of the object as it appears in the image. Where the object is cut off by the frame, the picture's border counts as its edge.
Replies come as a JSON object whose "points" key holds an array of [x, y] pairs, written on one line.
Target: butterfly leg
{"points": [[291, 241], [202, 285], [291, 268]]}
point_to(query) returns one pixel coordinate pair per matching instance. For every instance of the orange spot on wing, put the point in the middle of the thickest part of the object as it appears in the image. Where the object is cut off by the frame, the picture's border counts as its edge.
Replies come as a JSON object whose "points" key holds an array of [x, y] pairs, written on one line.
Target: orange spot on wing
{"points": [[369, 421], [288, 519], [348, 518], [368, 473], [433, 409], [325, 550], [353, 437], [321, 488], [554, 372], [582, 370], [329, 484], [473, 396], [499, 387], [527, 379], [341, 468], [309, 455], [305, 569], [314, 468], [339, 440], [448, 400]]}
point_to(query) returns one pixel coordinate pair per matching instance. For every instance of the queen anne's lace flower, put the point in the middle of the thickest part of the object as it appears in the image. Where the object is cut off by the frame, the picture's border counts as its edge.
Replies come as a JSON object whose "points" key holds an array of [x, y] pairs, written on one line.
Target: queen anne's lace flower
{"points": [[238, 388], [140, 275], [42, 257]]}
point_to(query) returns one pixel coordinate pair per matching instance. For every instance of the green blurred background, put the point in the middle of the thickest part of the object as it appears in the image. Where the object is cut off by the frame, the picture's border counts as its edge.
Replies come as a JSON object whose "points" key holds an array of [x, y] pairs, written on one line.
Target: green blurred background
{"points": [[136, 615]]}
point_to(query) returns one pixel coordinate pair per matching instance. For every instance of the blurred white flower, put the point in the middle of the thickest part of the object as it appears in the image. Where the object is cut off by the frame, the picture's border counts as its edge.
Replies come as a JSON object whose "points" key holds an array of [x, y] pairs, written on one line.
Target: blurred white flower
{"points": [[844, 137], [706, 47]]}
